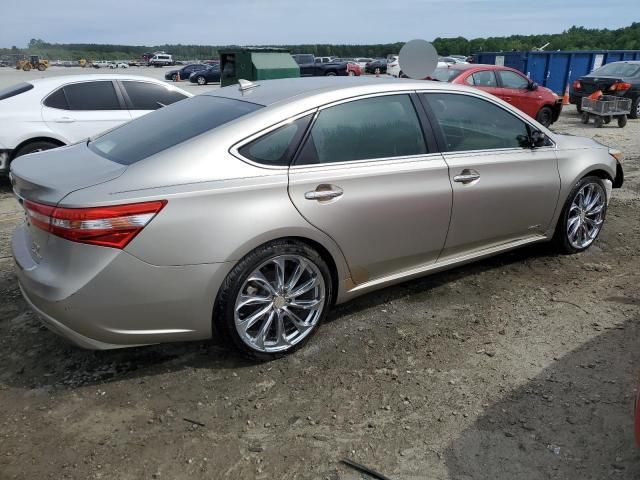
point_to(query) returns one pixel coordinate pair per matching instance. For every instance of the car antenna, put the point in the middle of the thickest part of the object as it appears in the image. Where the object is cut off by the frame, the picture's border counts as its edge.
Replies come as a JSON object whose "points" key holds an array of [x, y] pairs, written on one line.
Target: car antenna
{"points": [[245, 85]]}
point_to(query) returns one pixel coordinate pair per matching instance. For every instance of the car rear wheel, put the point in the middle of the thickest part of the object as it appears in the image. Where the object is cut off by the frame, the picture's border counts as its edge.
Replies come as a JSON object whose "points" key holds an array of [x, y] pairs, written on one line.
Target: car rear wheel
{"points": [[34, 147], [201, 80], [274, 299], [330, 74], [545, 116], [582, 216], [174, 77]]}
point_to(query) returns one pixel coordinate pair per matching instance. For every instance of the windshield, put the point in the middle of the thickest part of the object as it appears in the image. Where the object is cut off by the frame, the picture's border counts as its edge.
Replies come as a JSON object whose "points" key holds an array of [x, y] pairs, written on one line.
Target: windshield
{"points": [[444, 74], [159, 130], [15, 90], [618, 70]]}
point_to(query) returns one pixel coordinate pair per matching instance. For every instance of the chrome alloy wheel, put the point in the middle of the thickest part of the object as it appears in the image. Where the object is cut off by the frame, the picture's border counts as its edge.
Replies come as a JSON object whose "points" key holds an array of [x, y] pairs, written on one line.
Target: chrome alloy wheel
{"points": [[279, 303], [586, 215]]}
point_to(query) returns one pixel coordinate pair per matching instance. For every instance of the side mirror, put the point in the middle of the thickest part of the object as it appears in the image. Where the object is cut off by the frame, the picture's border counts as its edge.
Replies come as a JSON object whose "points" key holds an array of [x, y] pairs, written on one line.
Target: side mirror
{"points": [[538, 139], [533, 86]]}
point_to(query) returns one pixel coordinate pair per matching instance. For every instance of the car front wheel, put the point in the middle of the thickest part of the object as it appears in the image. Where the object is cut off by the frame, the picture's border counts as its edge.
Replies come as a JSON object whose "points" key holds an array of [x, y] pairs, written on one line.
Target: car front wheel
{"points": [[545, 116], [202, 80], [583, 216], [274, 299]]}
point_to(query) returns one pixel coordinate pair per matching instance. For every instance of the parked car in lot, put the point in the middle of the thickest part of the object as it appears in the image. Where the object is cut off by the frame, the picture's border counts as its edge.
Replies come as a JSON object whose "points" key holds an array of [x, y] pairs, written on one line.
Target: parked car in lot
{"points": [[210, 75], [101, 64], [267, 221], [161, 60], [118, 65], [380, 65], [323, 59], [49, 112], [508, 84], [393, 66], [362, 61], [185, 72], [309, 67], [621, 79]]}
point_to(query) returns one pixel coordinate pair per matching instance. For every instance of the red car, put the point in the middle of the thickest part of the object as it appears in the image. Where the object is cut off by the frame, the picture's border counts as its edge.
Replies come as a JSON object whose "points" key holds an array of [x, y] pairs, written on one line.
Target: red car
{"points": [[353, 69], [508, 84]]}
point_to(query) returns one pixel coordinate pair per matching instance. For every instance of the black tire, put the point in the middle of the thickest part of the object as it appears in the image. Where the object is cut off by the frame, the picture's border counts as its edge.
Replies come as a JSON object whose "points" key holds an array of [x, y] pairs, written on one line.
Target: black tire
{"points": [[579, 108], [599, 121], [223, 313], [585, 118], [37, 146], [545, 116], [622, 121], [560, 237], [201, 80], [330, 74], [174, 77], [607, 120], [635, 109]]}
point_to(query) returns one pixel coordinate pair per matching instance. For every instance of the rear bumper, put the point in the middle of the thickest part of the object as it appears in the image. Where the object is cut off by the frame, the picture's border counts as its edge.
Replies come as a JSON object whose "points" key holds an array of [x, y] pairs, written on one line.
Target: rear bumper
{"points": [[102, 298]]}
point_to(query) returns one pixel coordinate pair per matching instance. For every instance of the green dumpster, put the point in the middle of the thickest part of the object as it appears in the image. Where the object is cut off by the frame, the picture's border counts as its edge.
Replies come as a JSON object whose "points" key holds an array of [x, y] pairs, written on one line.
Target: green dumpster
{"points": [[256, 64]]}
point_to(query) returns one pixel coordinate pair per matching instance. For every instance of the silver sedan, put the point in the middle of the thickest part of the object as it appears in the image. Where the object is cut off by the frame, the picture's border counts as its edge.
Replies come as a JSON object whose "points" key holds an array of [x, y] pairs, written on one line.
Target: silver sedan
{"points": [[251, 210]]}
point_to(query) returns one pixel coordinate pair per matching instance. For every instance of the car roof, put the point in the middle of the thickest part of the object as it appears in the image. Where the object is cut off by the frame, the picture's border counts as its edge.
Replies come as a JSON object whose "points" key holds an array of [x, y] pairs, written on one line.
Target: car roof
{"points": [[269, 92], [50, 83], [477, 66]]}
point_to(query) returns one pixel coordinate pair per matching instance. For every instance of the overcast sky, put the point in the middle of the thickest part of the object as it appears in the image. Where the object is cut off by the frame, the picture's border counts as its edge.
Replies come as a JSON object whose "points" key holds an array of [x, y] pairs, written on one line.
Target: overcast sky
{"points": [[253, 22]]}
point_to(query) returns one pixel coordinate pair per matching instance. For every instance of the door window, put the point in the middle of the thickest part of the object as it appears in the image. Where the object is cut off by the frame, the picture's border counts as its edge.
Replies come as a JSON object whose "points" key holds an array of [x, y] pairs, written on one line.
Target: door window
{"points": [[149, 96], [513, 80], [485, 78], [471, 123], [378, 127], [276, 147], [92, 96]]}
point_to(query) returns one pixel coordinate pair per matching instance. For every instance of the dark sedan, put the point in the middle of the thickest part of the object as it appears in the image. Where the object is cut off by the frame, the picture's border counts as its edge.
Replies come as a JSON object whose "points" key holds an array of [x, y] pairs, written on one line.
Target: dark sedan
{"points": [[376, 64], [185, 72], [210, 75], [621, 79]]}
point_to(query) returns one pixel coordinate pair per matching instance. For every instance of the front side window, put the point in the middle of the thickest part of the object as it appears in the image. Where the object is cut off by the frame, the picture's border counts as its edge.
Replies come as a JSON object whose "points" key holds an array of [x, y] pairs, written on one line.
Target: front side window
{"points": [[92, 96], [471, 123], [276, 147], [513, 80], [149, 96], [378, 127]]}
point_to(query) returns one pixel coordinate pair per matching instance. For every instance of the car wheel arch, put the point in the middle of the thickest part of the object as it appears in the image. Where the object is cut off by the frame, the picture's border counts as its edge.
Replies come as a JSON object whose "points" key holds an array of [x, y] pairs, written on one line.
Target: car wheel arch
{"points": [[28, 141]]}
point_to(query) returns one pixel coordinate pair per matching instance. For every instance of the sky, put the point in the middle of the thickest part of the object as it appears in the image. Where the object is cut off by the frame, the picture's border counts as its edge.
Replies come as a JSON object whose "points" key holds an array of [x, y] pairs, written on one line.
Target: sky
{"points": [[260, 22]]}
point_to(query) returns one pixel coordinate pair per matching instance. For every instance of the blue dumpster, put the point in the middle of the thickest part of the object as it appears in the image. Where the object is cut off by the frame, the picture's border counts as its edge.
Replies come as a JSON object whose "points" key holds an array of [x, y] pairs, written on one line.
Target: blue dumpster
{"points": [[556, 70]]}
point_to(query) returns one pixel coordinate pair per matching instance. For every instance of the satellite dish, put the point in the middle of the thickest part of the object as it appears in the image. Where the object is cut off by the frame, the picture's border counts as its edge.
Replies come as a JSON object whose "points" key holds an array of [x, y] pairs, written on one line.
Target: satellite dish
{"points": [[418, 59]]}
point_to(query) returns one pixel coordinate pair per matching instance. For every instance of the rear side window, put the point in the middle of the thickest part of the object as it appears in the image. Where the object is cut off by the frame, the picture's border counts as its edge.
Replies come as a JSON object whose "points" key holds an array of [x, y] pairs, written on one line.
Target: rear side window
{"points": [[92, 96], [471, 123], [278, 146], [513, 80], [485, 78], [618, 70], [57, 100], [444, 74], [378, 127], [149, 96], [14, 90], [157, 131]]}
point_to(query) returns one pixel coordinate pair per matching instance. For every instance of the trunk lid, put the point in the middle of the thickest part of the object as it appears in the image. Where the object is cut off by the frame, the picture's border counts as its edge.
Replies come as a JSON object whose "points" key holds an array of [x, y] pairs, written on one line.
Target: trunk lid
{"points": [[592, 84], [48, 177]]}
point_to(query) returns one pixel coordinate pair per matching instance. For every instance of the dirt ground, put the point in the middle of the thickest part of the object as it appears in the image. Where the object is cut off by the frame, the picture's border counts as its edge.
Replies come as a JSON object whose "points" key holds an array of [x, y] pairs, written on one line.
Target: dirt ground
{"points": [[522, 366]]}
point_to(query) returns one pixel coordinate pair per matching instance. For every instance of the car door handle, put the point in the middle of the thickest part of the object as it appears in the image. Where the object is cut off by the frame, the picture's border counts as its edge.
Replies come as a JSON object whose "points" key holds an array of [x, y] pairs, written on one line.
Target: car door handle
{"points": [[467, 176], [324, 192], [64, 120]]}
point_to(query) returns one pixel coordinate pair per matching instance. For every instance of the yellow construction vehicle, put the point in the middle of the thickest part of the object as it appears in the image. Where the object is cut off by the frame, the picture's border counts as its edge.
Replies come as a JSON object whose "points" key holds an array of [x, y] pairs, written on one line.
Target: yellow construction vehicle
{"points": [[34, 61]]}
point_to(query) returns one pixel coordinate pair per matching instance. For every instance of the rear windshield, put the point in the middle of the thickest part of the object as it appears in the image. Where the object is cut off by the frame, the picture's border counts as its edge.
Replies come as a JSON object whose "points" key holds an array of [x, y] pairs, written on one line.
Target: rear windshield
{"points": [[14, 90], [168, 126], [618, 70], [444, 74]]}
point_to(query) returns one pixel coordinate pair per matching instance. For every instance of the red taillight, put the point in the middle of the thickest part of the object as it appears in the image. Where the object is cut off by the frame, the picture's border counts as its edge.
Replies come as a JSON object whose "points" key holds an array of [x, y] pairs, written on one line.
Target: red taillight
{"points": [[577, 84], [113, 226], [620, 86]]}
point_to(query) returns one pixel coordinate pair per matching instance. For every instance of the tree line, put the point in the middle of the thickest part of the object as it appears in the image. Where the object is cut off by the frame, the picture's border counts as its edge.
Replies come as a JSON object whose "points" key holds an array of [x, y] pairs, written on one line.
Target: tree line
{"points": [[575, 38]]}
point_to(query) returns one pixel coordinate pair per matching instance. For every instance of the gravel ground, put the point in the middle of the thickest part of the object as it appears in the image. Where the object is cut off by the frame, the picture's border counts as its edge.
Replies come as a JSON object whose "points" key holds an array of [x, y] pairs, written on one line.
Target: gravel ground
{"points": [[522, 366]]}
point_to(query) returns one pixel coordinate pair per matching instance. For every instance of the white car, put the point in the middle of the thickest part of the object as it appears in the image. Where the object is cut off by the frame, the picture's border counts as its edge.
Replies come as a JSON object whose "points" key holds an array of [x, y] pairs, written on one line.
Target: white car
{"points": [[50, 112], [101, 64], [362, 62], [393, 66], [119, 65]]}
